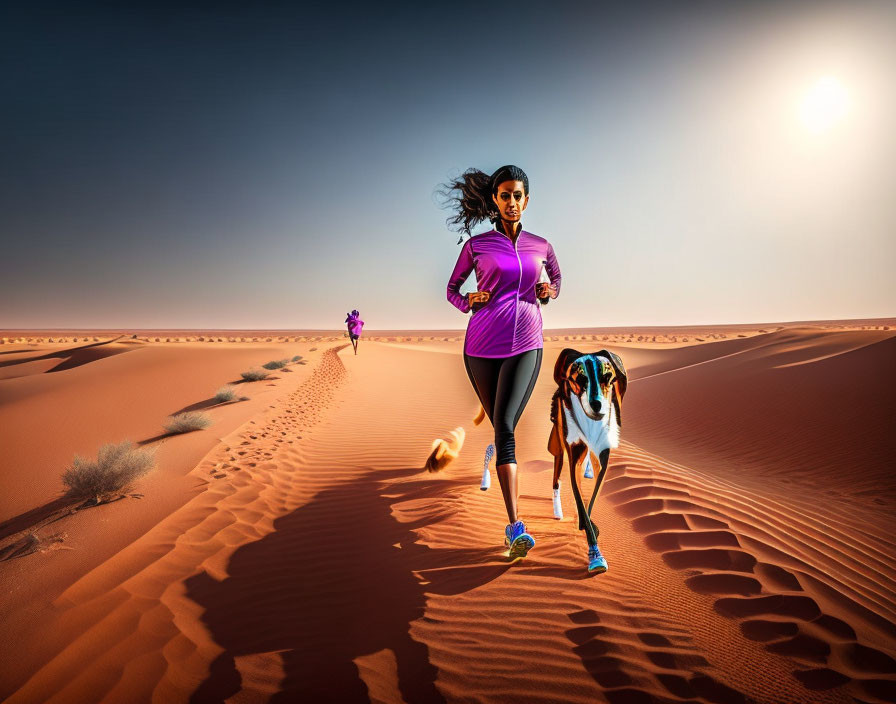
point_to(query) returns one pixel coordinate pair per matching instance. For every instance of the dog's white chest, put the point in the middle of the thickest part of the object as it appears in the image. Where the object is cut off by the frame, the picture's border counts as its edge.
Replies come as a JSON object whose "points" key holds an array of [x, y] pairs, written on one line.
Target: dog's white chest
{"points": [[598, 435]]}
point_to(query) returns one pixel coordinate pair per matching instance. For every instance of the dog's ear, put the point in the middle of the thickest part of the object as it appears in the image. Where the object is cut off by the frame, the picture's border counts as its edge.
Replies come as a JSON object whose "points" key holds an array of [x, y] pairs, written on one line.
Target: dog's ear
{"points": [[621, 375], [621, 382], [619, 368], [564, 359]]}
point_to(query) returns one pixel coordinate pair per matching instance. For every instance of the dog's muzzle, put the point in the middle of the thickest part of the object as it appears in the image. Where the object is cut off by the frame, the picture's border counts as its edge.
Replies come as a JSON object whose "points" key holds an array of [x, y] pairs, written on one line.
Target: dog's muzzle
{"points": [[593, 407]]}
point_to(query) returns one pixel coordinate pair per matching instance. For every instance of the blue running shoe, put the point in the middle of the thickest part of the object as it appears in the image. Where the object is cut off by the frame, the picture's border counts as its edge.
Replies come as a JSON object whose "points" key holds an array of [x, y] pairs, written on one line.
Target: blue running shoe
{"points": [[518, 539], [596, 562]]}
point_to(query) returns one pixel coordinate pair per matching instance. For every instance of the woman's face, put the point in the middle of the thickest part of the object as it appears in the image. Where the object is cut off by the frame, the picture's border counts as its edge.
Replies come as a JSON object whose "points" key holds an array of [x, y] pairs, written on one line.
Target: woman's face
{"points": [[511, 200]]}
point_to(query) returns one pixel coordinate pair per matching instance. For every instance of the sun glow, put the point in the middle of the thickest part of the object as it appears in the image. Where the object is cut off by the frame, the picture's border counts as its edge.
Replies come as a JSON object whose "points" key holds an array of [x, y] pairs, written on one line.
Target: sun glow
{"points": [[825, 104]]}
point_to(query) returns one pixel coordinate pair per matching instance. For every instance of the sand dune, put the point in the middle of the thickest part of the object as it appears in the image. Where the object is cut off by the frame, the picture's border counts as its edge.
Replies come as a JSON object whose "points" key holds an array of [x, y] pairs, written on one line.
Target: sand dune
{"points": [[299, 551], [812, 407]]}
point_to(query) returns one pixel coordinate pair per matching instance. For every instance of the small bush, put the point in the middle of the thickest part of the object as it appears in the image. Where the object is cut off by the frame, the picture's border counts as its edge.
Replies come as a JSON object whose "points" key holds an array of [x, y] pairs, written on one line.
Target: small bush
{"points": [[225, 393], [107, 478], [185, 422], [254, 375], [276, 364], [297, 358]]}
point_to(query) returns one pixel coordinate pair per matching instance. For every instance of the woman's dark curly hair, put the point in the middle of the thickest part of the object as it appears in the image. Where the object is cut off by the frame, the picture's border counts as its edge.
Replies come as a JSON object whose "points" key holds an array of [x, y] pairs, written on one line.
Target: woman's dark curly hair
{"points": [[473, 199]]}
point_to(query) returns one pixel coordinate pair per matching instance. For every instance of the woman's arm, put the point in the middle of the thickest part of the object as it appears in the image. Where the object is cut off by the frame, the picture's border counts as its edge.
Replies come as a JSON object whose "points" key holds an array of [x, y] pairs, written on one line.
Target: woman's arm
{"points": [[462, 270], [553, 269]]}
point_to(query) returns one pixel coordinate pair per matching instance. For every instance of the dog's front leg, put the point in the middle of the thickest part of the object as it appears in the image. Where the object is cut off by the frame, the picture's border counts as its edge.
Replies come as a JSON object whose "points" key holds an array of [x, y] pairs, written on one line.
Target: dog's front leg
{"points": [[555, 494], [604, 460], [576, 457], [556, 449]]}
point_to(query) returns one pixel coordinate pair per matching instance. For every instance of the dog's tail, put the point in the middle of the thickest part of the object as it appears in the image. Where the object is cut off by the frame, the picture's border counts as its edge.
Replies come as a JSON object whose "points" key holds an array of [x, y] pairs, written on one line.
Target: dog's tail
{"points": [[445, 451], [479, 416]]}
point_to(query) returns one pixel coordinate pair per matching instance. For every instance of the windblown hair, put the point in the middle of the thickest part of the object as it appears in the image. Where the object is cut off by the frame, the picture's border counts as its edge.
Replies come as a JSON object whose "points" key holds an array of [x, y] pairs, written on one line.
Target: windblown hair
{"points": [[471, 195]]}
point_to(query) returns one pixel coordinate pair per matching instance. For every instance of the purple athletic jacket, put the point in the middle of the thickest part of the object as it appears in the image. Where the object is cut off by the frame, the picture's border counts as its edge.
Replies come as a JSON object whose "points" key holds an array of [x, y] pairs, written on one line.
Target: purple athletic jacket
{"points": [[510, 322]]}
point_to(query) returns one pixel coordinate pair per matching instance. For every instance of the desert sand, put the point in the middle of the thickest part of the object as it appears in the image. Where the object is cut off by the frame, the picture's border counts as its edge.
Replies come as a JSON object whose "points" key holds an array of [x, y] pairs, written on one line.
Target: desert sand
{"points": [[297, 551]]}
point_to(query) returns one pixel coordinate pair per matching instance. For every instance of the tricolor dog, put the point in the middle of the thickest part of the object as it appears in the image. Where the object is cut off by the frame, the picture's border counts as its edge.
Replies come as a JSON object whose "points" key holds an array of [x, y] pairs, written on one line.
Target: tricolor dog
{"points": [[586, 416]]}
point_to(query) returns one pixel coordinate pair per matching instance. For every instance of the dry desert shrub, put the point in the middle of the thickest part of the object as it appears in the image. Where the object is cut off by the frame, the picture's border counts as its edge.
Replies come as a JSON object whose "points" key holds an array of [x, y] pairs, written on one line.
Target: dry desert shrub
{"points": [[185, 422], [297, 358], [254, 375], [110, 475], [276, 364], [225, 393]]}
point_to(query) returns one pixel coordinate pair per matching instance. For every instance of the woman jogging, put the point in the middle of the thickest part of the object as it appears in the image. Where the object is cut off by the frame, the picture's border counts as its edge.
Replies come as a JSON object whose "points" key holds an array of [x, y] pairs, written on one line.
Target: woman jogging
{"points": [[503, 344], [354, 324]]}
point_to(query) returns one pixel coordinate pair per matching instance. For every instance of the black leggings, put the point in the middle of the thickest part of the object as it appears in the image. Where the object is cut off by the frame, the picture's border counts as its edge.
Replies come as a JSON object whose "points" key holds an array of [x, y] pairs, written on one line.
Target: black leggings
{"points": [[504, 385]]}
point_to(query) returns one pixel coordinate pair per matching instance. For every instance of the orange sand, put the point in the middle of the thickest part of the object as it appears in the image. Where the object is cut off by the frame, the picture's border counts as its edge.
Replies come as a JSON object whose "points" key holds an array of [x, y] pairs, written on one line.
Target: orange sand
{"points": [[296, 550]]}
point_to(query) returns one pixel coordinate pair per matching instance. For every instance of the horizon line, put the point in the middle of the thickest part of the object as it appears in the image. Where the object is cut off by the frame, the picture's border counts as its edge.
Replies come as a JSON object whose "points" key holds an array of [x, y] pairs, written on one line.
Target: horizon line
{"points": [[545, 330]]}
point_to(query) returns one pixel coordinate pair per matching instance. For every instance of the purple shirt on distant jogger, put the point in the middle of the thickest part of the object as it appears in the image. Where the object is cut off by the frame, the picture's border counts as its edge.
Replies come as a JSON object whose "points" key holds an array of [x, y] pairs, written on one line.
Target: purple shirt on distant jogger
{"points": [[354, 323]]}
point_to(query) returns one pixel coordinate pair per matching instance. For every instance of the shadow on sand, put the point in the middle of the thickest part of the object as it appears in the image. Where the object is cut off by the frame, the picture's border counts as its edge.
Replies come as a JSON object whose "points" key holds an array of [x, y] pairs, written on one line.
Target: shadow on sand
{"points": [[330, 585], [72, 356]]}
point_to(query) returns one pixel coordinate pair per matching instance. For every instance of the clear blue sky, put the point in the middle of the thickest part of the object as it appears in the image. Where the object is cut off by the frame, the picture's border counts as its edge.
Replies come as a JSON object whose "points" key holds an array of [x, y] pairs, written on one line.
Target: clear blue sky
{"points": [[271, 166]]}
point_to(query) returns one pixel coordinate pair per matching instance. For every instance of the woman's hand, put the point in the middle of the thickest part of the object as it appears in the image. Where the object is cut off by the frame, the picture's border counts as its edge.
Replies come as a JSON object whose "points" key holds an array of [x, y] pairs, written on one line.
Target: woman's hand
{"points": [[477, 299], [545, 290]]}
